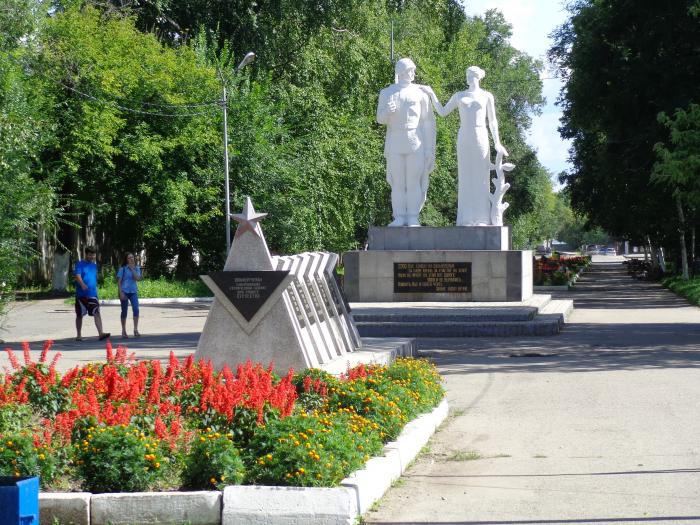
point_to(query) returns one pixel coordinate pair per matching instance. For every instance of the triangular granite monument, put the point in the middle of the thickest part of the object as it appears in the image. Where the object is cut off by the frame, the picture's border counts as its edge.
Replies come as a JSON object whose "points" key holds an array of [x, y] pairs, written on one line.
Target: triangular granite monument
{"points": [[267, 310]]}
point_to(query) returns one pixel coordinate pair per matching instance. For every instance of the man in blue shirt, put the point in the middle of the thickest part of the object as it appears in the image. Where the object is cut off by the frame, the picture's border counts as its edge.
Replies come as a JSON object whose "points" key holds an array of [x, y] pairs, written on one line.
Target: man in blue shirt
{"points": [[86, 302]]}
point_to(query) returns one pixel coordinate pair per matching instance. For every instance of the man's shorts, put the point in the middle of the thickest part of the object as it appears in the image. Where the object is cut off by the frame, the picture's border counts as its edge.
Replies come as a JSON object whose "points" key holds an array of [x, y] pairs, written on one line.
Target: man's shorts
{"points": [[86, 305]]}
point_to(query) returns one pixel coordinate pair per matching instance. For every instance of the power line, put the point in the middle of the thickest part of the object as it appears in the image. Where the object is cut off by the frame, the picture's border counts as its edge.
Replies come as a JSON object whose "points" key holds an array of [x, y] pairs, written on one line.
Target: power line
{"points": [[132, 110], [138, 111]]}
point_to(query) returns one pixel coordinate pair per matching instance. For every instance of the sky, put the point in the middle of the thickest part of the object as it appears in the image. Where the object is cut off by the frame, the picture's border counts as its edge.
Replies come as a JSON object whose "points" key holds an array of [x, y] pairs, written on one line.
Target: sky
{"points": [[532, 21]]}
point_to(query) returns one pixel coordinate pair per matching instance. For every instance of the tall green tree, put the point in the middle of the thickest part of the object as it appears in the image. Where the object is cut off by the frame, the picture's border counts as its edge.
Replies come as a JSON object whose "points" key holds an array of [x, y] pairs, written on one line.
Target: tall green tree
{"points": [[146, 171], [623, 63], [24, 202], [678, 167]]}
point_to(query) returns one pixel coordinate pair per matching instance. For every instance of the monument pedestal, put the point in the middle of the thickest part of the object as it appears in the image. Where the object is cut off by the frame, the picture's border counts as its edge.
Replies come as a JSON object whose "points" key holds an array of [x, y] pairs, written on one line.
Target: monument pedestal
{"points": [[440, 238], [466, 263]]}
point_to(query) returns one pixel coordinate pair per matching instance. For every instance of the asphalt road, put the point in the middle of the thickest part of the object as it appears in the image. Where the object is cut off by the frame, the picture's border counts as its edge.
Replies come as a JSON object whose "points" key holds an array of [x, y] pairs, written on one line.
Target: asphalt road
{"points": [[600, 424]]}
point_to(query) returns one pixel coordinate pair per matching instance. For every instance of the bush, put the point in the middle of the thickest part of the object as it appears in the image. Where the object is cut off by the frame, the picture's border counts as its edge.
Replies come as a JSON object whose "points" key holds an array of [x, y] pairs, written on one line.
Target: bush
{"points": [[117, 459], [312, 386], [213, 462], [381, 409], [22, 454], [316, 450], [15, 417], [117, 420], [419, 382]]}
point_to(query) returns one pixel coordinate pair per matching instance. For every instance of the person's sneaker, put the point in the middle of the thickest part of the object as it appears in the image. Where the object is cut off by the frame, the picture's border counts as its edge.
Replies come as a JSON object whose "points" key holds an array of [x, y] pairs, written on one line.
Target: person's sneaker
{"points": [[104, 336]]}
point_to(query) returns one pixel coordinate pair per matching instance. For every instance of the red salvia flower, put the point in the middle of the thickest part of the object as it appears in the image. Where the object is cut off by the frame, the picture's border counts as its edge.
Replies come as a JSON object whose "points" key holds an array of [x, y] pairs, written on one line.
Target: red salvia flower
{"points": [[44, 352], [25, 350], [13, 358]]}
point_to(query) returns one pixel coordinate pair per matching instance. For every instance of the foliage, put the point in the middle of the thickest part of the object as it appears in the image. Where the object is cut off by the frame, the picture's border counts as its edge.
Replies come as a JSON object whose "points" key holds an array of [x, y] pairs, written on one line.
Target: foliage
{"points": [[213, 461], [624, 62], [135, 120], [690, 289], [122, 416], [160, 287], [117, 458], [22, 453], [678, 166], [679, 158], [24, 131], [15, 417], [557, 270], [313, 450]]}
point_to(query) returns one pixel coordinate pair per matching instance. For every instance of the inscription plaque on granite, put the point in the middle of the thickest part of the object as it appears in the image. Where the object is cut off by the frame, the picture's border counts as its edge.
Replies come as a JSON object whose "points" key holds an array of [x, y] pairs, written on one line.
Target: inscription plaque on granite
{"points": [[248, 290], [433, 277]]}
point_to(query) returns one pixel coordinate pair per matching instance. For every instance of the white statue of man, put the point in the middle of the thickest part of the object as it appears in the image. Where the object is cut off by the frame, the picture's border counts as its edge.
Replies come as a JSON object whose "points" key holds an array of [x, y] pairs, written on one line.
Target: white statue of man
{"points": [[409, 149]]}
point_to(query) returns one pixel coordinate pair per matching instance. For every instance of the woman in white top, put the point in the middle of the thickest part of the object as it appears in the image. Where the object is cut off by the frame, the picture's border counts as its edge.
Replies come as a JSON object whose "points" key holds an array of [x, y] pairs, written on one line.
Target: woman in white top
{"points": [[476, 109]]}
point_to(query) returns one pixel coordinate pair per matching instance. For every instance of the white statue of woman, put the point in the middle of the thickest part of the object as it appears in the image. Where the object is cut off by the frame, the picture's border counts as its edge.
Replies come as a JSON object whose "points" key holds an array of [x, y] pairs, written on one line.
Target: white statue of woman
{"points": [[476, 109]]}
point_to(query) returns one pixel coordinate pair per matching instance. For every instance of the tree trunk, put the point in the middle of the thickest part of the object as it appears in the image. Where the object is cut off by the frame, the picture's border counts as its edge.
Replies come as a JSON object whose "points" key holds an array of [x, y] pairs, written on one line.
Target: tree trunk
{"points": [[692, 244], [681, 231], [652, 253]]}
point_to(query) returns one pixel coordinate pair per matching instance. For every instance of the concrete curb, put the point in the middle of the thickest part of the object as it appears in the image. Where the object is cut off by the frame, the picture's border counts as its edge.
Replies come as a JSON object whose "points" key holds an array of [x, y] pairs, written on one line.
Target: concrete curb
{"points": [[252, 504], [161, 300]]}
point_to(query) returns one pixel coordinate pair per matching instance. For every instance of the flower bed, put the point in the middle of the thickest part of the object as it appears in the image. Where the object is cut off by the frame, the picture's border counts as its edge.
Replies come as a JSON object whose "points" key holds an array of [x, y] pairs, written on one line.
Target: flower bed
{"points": [[124, 425], [559, 270]]}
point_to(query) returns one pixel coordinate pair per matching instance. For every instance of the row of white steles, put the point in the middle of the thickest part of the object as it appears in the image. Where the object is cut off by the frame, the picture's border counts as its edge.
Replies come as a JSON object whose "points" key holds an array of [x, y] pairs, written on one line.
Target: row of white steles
{"points": [[321, 318]]}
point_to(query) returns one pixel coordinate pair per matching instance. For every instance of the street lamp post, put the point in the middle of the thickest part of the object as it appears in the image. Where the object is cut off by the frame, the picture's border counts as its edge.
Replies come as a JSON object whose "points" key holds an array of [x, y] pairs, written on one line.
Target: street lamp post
{"points": [[247, 59]]}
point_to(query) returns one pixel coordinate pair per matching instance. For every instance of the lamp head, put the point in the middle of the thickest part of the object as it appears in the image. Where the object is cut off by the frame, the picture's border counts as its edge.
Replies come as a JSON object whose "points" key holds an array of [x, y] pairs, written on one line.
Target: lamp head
{"points": [[247, 59]]}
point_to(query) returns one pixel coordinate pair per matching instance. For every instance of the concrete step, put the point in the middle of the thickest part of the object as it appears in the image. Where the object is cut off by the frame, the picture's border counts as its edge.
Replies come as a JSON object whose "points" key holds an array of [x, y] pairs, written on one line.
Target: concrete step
{"points": [[538, 316], [430, 315], [550, 326]]}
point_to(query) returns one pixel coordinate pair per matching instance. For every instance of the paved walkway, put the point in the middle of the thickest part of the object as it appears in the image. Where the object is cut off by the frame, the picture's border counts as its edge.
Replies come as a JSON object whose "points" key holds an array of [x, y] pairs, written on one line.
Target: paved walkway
{"points": [[600, 424], [164, 328]]}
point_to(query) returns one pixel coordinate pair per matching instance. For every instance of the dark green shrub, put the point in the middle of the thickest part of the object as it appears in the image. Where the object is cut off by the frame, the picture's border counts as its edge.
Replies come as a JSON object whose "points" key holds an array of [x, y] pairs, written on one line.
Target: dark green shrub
{"points": [[212, 463], [118, 459], [21, 454], [14, 418]]}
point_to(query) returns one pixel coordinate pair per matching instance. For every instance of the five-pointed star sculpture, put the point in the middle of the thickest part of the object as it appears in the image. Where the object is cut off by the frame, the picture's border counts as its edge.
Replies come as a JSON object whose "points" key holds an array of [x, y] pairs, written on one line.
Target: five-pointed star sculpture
{"points": [[248, 220]]}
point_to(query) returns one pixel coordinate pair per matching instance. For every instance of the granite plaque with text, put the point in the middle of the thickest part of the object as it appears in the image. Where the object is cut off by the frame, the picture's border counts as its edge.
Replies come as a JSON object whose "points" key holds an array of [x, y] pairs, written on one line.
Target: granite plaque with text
{"points": [[248, 290], [433, 277]]}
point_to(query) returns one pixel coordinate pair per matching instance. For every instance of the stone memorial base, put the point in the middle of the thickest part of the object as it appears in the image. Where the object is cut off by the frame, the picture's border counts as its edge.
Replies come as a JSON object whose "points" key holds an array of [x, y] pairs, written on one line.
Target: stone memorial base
{"points": [[443, 238], [437, 275]]}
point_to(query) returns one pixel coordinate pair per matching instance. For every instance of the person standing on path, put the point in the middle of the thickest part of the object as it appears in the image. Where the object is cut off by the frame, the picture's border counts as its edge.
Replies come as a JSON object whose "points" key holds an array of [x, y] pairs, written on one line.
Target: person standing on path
{"points": [[86, 302], [127, 278]]}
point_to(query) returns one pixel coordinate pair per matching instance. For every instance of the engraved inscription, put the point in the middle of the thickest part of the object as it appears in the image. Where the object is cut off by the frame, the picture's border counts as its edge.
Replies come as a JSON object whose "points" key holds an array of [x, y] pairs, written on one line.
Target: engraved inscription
{"points": [[433, 277], [248, 291]]}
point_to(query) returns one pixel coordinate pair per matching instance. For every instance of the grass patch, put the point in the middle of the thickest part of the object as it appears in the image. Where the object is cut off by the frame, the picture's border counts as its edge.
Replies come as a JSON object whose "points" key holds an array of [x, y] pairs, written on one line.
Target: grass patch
{"points": [[464, 455], [156, 288], [689, 289]]}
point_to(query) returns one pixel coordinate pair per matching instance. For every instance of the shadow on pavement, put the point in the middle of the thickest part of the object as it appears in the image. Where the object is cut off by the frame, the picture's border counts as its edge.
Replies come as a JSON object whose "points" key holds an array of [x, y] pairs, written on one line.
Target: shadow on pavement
{"points": [[168, 341]]}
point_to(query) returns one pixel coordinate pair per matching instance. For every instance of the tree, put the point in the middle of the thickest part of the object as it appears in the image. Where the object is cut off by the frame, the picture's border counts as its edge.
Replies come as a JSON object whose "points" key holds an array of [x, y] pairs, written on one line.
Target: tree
{"points": [[678, 167], [624, 62], [23, 132], [144, 168]]}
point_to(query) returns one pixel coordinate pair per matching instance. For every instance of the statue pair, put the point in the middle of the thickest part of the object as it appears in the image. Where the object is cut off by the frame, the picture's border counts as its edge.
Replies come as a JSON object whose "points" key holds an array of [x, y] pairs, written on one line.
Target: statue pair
{"points": [[407, 110]]}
